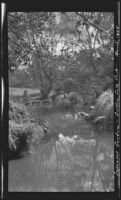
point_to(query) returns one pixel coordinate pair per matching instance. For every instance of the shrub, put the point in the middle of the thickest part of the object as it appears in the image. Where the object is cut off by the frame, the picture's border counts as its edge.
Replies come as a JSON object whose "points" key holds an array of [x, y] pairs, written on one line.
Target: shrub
{"points": [[22, 131], [19, 136], [64, 104], [75, 98], [23, 137], [18, 112]]}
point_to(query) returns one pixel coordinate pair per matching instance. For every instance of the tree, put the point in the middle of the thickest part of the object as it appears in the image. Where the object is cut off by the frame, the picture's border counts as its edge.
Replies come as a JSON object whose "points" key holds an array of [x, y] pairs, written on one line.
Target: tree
{"points": [[93, 34], [92, 47], [33, 43], [55, 46]]}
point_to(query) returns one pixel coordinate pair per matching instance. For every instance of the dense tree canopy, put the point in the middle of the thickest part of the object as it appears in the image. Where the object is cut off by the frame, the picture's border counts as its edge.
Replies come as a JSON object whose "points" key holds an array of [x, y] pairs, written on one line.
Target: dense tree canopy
{"points": [[63, 50]]}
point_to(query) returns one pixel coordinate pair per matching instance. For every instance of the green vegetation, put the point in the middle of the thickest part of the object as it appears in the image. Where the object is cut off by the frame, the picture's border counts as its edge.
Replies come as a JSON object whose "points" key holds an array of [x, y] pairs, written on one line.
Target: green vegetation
{"points": [[23, 133], [74, 54], [19, 137], [102, 114], [61, 99], [67, 56]]}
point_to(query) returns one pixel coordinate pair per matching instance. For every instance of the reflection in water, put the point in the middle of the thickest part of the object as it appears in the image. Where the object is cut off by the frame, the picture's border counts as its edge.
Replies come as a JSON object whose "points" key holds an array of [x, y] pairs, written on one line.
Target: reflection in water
{"points": [[65, 164]]}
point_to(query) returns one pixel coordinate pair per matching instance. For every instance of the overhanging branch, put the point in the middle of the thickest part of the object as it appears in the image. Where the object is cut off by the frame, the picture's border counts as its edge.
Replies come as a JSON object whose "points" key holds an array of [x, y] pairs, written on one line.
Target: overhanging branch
{"points": [[92, 24]]}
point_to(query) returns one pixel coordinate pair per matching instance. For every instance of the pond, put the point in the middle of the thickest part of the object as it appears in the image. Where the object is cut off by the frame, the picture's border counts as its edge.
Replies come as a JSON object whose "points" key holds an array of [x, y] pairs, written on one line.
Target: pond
{"points": [[78, 159]]}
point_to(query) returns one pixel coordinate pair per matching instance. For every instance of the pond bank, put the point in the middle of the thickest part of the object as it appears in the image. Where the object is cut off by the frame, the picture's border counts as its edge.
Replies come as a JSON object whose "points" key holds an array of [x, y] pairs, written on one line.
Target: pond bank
{"points": [[64, 164]]}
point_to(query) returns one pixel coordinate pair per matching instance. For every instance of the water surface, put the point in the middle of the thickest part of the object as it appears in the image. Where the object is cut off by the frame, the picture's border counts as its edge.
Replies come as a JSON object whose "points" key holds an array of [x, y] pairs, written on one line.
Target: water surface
{"points": [[77, 160]]}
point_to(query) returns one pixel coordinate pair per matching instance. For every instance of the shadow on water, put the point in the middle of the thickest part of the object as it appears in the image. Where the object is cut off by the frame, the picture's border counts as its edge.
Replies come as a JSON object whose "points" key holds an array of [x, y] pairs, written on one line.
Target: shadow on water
{"points": [[73, 160]]}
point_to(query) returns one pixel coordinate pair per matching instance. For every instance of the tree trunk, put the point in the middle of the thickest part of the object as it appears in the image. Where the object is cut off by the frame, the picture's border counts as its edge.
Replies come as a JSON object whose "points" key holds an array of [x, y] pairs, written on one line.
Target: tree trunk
{"points": [[92, 63]]}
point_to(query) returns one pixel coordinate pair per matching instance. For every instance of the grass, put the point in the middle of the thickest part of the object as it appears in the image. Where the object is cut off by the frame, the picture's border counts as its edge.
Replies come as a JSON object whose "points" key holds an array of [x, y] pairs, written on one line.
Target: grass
{"points": [[20, 91], [16, 94]]}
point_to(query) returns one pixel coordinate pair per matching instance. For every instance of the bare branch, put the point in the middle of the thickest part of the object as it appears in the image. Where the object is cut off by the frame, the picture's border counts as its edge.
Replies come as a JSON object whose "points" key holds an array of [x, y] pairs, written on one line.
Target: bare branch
{"points": [[92, 24]]}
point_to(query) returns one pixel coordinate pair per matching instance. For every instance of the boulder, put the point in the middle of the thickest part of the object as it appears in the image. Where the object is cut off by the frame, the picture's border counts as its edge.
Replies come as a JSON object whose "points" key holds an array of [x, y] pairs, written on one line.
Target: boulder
{"points": [[103, 112], [104, 103]]}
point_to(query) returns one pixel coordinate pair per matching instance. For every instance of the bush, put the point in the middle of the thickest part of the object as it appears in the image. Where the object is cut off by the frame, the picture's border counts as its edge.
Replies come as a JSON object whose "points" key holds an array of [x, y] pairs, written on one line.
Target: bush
{"points": [[67, 101], [19, 136], [18, 112], [63, 104], [22, 131], [22, 135], [75, 98]]}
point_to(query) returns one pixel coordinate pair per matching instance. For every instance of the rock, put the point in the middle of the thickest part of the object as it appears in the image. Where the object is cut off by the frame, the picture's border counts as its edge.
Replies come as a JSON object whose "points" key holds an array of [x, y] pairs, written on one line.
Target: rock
{"points": [[104, 103], [103, 112], [92, 107], [83, 114]]}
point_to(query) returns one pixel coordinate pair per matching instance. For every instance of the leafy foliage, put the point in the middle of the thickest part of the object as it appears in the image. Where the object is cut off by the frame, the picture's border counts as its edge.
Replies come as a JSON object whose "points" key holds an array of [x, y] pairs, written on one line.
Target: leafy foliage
{"points": [[22, 130], [19, 136], [55, 47]]}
